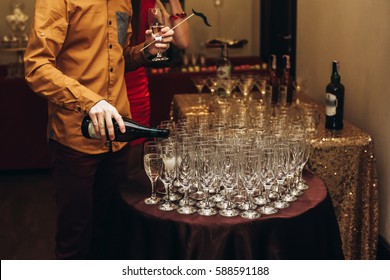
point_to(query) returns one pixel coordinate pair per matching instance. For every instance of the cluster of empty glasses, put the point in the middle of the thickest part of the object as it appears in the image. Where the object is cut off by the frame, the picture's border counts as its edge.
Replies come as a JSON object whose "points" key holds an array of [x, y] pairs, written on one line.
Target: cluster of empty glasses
{"points": [[244, 84], [244, 97], [220, 164]]}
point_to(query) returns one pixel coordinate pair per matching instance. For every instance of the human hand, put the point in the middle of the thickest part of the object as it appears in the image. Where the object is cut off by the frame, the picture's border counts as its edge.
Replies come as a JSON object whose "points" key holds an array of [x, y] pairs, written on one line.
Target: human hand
{"points": [[101, 115], [160, 45]]}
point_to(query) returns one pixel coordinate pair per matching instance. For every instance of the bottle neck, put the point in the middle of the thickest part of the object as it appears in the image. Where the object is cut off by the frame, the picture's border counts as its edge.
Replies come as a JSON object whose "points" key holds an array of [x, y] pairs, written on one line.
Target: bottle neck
{"points": [[335, 77], [224, 52], [287, 64], [272, 63]]}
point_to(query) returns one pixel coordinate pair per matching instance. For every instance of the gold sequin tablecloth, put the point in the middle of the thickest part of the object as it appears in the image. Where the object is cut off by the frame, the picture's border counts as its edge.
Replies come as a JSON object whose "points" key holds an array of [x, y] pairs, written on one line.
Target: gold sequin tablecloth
{"points": [[345, 161]]}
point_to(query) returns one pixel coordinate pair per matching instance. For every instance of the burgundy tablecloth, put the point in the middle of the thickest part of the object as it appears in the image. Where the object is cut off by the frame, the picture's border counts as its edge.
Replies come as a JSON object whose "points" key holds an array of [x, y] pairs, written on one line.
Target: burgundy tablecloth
{"points": [[306, 230]]}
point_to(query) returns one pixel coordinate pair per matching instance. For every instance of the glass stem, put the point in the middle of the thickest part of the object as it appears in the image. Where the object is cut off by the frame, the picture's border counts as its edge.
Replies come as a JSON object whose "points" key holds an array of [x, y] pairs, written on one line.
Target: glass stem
{"points": [[168, 193], [207, 202], [154, 190], [185, 198], [250, 199]]}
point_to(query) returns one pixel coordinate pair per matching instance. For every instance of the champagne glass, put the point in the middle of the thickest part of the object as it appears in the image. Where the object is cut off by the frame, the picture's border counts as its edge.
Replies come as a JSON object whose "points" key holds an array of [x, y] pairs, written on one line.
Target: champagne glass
{"points": [[156, 21], [282, 157], [199, 82], [186, 166], [168, 172], [268, 178], [152, 165], [206, 172], [229, 169], [249, 165], [228, 85], [246, 84]]}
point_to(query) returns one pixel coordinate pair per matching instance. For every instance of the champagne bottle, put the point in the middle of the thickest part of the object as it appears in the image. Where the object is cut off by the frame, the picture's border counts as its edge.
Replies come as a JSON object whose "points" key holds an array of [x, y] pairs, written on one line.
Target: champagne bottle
{"points": [[334, 100], [133, 130], [272, 87], [286, 84], [224, 67]]}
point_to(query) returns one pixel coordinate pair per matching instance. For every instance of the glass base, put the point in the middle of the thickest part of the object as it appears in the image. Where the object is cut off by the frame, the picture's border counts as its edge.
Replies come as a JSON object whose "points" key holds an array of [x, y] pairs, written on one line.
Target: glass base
{"points": [[296, 192], [167, 206], [207, 212], [229, 212], [224, 204], [202, 204], [260, 200], [153, 200], [186, 210], [175, 196], [302, 186], [246, 206], [187, 201], [160, 58], [250, 214], [199, 195], [290, 198], [280, 204], [267, 210]]}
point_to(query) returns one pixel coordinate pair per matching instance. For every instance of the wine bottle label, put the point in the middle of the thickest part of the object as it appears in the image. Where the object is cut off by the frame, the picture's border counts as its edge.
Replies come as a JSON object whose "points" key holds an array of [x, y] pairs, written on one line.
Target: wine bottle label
{"points": [[223, 72], [331, 104]]}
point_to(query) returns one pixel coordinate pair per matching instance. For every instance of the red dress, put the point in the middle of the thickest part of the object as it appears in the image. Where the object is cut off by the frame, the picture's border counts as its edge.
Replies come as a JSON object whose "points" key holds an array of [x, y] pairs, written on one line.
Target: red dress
{"points": [[137, 81]]}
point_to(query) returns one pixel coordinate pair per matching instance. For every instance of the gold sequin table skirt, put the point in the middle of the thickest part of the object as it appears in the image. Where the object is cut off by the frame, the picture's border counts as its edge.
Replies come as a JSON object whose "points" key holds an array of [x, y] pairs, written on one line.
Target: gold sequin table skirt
{"points": [[345, 161]]}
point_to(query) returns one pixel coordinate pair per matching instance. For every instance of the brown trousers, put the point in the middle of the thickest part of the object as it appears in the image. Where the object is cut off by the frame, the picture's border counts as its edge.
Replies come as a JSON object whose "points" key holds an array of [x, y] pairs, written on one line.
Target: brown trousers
{"points": [[86, 189]]}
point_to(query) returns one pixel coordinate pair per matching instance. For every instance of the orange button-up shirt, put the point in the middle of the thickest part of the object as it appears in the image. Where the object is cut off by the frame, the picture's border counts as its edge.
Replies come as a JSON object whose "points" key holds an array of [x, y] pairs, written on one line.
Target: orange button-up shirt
{"points": [[76, 56]]}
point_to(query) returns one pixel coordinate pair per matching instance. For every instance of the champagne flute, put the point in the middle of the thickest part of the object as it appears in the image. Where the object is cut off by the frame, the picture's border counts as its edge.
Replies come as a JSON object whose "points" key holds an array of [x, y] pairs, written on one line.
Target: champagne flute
{"points": [[206, 172], [268, 178], [152, 165], [229, 169], [186, 168], [168, 172], [248, 170], [156, 21]]}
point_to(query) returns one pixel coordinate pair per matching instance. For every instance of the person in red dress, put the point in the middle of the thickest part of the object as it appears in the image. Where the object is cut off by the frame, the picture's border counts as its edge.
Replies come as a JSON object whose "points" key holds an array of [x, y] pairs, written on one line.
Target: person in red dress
{"points": [[137, 81]]}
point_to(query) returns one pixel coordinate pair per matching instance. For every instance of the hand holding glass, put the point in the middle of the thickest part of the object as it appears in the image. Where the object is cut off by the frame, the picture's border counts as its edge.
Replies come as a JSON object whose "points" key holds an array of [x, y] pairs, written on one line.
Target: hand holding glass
{"points": [[156, 21]]}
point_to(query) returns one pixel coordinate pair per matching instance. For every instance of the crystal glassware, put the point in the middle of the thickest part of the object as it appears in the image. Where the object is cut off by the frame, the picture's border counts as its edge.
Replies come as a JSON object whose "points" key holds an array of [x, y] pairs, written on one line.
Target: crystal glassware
{"points": [[156, 21], [168, 172], [153, 166]]}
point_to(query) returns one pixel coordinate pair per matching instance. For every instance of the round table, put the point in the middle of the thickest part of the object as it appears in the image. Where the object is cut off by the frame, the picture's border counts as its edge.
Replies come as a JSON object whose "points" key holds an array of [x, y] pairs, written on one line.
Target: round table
{"points": [[308, 229]]}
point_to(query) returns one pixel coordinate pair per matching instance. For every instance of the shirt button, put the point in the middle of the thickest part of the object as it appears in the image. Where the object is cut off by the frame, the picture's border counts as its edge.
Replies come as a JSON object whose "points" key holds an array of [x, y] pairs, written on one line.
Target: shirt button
{"points": [[111, 69], [110, 46], [109, 22]]}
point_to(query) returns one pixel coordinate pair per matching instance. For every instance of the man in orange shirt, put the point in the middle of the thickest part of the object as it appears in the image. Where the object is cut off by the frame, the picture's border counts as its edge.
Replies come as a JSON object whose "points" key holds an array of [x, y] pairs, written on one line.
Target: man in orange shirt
{"points": [[76, 57]]}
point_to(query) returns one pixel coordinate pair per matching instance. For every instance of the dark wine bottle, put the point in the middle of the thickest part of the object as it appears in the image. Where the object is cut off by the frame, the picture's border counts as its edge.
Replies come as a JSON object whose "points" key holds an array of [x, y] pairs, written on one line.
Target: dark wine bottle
{"points": [[224, 66], [334, 100], [272, 87], [286, 84], [133, 130]]}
